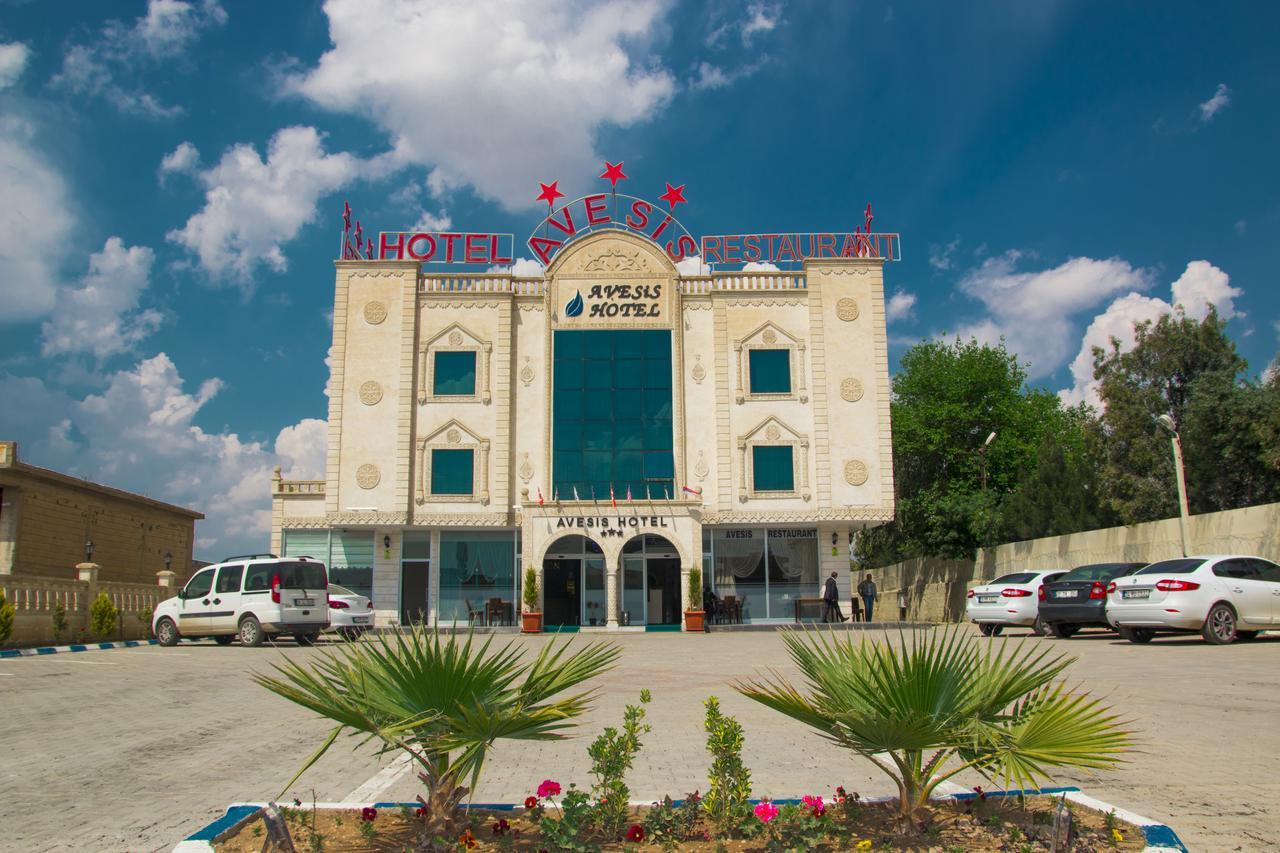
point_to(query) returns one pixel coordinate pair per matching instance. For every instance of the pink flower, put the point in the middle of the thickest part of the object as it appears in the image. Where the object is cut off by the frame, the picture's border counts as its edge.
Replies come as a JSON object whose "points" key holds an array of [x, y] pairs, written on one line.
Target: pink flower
{"points": [[766, 811], [548, 789], [815, 805]]}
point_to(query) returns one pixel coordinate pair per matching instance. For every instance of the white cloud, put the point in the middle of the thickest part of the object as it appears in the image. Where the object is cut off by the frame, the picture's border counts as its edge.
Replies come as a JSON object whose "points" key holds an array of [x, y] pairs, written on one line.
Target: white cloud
{"points": [[1201, 285], [35, 223], [138, 433], [1033, 311], [100, 316], [761, 18], [692, 265], [710, 77], [13, 61], [522, 268], [492, 93], [254, 206], [1216, 103], [760, 266], [432, 221], [901, 306], [1241, 225], [940, 255], [183, 159], [166, 32]]}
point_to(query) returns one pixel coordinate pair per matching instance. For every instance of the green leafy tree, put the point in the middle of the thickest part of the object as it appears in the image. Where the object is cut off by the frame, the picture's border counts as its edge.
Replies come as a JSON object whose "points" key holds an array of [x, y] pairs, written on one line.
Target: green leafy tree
{"points": [[444, 702], [103, 616], [939, 703], [729, 789], [1190, 370]]}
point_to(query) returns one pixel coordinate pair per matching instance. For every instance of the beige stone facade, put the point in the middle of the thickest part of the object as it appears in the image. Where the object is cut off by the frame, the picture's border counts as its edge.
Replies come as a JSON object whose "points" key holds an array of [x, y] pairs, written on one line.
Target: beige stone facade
{"points": [[47, 517], [387, 423]]}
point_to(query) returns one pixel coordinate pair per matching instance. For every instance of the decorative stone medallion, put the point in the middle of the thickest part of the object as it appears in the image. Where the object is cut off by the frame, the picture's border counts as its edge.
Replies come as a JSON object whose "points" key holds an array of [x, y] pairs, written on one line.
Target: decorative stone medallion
{"points": [[855, 472], [370, 393], [367, 476], [699, 372], [851, 389], [455, 339], [772, 432], [769, 336], [453, 436], [526, 468], [374, 312], [526, 372], [847, 309], [701, 470]]}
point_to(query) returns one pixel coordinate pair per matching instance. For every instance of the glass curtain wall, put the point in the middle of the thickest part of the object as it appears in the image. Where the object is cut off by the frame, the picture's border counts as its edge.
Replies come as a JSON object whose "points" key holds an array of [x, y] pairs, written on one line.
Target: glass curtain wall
{"points": [[477, 577], [612, 415], [766, 570], [348, 554]]}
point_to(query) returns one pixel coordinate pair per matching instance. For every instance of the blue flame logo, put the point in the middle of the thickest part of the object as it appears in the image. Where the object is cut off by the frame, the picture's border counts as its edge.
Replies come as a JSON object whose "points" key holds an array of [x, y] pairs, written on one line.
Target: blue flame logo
{"points": [[574, 308]]}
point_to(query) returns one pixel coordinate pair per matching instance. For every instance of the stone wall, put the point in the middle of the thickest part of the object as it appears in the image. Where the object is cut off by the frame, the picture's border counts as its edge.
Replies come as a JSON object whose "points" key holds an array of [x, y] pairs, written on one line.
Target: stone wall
{"points": [[35, 598], [935, 588]]}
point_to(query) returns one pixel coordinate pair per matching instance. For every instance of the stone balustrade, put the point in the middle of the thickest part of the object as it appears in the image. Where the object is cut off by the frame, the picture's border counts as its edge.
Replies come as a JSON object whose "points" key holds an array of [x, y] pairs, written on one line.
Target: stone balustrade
{"points": [[35, 598]]}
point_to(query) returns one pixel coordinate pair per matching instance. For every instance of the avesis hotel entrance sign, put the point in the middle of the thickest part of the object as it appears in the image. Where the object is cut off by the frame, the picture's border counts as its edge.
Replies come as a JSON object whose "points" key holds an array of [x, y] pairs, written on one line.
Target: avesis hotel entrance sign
{"points": [[611, 423]]}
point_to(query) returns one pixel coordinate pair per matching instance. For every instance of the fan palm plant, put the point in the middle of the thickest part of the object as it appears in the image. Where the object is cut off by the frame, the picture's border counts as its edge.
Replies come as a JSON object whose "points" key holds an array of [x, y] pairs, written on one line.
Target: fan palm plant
{"points": [[443, 701], [939, 703]]}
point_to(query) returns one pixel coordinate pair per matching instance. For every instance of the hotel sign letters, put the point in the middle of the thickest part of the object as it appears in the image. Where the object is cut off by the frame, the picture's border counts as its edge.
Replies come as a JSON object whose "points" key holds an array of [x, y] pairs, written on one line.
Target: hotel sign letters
{"points": [[446, 247], [776, 248], [606, 526], [616, 211]]}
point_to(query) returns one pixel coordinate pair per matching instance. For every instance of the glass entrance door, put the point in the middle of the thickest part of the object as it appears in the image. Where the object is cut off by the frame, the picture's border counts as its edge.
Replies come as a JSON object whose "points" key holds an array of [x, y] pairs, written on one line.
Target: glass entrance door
{"points": [[632, 611], [593, 592]]}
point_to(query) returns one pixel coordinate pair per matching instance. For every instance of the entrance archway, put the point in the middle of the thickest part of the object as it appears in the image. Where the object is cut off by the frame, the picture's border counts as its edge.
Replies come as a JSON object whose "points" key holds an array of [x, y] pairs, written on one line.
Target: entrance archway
{"points": [[573, 584], [650, 583]]}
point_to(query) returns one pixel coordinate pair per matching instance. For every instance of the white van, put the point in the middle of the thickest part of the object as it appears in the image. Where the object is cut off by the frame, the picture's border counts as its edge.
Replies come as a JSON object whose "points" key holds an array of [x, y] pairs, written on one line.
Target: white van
{"points": [[254, 597]]}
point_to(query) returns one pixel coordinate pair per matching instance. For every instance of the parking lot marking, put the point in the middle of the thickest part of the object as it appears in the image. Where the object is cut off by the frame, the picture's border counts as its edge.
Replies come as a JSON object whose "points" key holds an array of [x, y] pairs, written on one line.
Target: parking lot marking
{"points": [[380, 781], [91, 662]]}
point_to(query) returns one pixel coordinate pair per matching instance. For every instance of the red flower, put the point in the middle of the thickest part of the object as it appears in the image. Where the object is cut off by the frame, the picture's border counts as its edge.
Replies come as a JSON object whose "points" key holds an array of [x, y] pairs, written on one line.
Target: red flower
{"points": [[635, 833], [982, 795], [420, 811], [548, 788], [501, 827], [368, 813], [530, 802], [467, 840]]}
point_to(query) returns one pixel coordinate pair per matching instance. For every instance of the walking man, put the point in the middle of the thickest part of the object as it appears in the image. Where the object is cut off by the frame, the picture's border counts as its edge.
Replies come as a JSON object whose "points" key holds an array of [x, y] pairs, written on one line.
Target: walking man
{"points": [[831, 598], [867, 590]]}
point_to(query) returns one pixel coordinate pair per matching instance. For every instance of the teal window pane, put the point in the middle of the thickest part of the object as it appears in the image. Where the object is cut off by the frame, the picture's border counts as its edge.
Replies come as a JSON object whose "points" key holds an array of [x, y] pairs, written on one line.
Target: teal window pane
{"points": [[629, 346], [770, 371], [452, 472], [454, 374], [771, 469], [657, 373]]}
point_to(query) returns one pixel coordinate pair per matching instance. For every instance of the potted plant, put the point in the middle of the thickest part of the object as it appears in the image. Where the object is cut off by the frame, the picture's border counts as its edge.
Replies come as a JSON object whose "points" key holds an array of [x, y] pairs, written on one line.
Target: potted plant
{"points": [[531, 618], [694, 617]]}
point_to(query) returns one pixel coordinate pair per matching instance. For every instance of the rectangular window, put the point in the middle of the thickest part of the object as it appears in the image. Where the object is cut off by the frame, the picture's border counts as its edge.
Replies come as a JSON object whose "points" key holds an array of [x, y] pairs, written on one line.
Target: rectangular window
{"points": [[771, 469], [351, 560], [770, 371], [612, 414], [229, 578], [477, 578], [452, 472], [454, 374]]}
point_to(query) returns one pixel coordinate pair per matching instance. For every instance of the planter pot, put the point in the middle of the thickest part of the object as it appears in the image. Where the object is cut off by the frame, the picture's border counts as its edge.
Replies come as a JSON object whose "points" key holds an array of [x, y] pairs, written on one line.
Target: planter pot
{"points": [[693, 620], [530, 623]]}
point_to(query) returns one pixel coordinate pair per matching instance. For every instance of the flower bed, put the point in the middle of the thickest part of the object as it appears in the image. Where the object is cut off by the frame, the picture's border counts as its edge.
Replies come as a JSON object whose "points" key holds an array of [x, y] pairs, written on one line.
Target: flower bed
{"points": [[972, 823]]}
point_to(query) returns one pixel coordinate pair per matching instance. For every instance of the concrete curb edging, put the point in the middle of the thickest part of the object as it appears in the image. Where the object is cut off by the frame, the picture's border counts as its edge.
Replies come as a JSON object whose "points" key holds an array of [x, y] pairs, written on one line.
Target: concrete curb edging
{"points": [[74, 647], [1160, 837]]}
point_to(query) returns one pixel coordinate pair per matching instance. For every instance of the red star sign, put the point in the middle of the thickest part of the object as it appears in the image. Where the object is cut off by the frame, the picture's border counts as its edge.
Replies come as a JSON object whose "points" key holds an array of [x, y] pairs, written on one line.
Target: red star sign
{"points": [[613, 173], [674, 196], [550, 192]]}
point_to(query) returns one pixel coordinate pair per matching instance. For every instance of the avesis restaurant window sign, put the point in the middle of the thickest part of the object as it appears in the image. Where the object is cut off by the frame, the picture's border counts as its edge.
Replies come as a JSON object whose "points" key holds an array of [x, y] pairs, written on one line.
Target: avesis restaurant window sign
{"points": [[611, 422]]}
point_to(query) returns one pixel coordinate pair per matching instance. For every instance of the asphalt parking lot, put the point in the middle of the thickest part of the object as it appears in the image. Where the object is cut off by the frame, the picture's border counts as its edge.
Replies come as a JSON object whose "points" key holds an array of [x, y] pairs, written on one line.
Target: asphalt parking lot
{"points": [[132, 749]]}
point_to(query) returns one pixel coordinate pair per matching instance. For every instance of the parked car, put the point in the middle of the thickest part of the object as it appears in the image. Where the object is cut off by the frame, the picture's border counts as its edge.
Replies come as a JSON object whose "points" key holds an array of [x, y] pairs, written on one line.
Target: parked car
{"points": [[1009, 600], [1078, 599], [1224, 598], [253, 597], [350, 613]]}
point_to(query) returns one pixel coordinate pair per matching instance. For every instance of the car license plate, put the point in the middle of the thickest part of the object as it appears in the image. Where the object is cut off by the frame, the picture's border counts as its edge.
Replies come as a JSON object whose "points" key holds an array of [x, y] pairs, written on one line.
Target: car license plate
{"points": [[988, 599], [359, 620], [1064, 593], [304, 602], [1136, 593]]}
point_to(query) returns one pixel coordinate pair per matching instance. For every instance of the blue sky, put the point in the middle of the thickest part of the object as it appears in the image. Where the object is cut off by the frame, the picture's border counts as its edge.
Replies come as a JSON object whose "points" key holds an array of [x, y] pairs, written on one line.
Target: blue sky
{"points": [[174, 169]]}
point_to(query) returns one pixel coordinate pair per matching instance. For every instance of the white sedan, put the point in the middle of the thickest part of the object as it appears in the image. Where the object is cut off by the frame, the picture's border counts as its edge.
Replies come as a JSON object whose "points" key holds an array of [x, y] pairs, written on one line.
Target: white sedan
{"points": [[1009, 600], [350, 613], [1223, 597]]}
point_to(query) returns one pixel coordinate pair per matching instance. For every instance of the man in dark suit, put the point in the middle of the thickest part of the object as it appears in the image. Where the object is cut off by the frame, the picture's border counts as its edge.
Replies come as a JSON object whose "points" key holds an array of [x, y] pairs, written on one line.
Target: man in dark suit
{"points": [[831, 599]]}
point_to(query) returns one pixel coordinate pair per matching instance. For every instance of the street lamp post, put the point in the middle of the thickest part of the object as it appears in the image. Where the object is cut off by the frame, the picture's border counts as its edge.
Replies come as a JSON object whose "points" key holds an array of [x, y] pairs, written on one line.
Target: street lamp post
{"points": [[982, 457], [1167, 423], [88, 551]]}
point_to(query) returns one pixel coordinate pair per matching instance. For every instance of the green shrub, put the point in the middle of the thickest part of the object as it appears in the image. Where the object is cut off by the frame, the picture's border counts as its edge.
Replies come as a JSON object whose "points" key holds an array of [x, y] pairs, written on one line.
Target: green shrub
{"points": [[612, 755], [667, 824], [695, 588], [144, 620], [797, 827], [726, 802], [530, 590], [563, 834], [60, 624], [6, 619], [102, 616]]}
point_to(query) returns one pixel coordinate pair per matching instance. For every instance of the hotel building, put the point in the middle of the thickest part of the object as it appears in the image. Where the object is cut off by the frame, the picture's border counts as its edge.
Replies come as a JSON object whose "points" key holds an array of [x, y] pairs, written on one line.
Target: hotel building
{"points": [[612, 424]]}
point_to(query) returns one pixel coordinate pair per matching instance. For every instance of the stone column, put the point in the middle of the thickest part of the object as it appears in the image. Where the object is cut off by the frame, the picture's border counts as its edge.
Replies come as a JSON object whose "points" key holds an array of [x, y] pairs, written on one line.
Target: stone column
{"points": [[611, 595], [684, 593], [165, 579]]}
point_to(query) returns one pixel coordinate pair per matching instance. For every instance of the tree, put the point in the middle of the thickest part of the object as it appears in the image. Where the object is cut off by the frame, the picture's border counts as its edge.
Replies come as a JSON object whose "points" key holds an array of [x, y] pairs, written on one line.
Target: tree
{"points": [[1190, 370], [947, 398]]}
